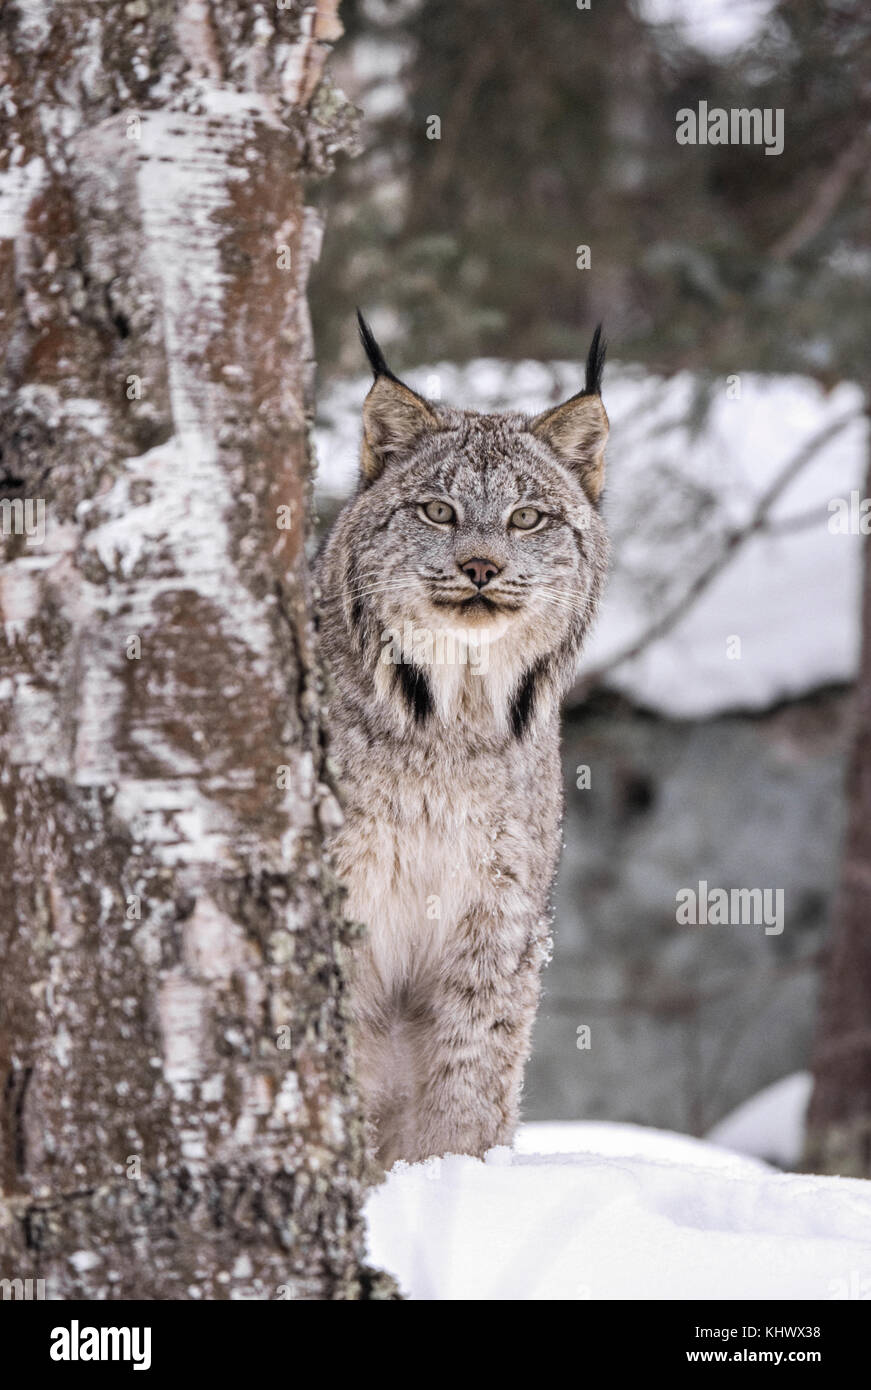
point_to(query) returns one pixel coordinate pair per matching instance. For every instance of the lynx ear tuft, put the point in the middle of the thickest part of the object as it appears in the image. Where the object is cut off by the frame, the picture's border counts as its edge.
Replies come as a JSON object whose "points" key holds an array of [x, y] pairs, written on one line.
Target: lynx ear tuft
{"points": [[394, 416], [595, 364], [577, 430], [373, 351]]}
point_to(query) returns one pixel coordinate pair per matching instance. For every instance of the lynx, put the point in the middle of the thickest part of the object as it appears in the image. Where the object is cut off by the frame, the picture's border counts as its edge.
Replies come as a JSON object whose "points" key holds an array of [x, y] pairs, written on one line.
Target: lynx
{"points": [[455, 591]]}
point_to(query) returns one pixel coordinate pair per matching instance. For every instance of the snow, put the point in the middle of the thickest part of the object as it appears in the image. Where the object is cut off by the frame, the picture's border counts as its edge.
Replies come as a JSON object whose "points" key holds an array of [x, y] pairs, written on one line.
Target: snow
{"points": [[771, 1124], [597, 1211], [717, 27], [790, 594], [628, 1141]]}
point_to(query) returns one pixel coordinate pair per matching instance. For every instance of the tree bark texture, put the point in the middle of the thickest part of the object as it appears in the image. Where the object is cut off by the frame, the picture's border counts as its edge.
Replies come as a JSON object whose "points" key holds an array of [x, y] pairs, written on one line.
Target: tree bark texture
{"points": [[176, 1117]]}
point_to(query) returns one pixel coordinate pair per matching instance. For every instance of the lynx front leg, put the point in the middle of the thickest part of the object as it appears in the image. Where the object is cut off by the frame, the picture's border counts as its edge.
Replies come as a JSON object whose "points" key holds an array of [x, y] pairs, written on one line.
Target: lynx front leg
{"points": [[383, 1063], [473, 1048]]}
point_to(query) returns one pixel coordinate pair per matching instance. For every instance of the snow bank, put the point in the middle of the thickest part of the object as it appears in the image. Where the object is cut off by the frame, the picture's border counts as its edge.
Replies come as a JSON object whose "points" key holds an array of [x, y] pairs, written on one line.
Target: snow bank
{"points": [[771, 1124], [790, 595], [615, 1211], [606, 1140]]}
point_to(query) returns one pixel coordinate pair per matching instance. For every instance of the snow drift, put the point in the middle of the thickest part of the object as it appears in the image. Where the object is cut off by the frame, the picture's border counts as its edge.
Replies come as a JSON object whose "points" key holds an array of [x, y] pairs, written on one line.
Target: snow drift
{"points": [[587, 1211]]}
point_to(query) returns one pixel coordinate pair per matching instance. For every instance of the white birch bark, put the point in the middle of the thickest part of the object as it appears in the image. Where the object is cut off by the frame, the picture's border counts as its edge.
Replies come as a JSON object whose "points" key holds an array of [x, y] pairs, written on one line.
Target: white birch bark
{"points": [[176, 1119]]}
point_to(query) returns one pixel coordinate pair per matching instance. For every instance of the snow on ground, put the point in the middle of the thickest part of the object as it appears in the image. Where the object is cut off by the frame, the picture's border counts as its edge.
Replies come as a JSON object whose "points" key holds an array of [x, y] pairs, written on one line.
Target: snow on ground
{"points": [[791, 596], [771, 1124], [597, 1211], [609, 1140]]}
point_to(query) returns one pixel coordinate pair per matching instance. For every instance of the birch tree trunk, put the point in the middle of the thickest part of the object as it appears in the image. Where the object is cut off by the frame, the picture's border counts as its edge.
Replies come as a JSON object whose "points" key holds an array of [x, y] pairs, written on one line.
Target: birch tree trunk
{"points": [[176, 1119], [839, 1118]]}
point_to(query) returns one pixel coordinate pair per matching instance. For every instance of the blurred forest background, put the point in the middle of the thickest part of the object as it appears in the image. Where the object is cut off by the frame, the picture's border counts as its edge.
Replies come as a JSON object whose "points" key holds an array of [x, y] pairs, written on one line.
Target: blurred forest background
{"points": [[496, 142], [558, 129]]}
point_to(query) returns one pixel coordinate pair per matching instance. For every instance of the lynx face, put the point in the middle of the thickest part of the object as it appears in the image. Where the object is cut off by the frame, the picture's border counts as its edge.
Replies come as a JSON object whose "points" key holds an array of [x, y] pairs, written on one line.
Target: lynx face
{"points": [[474, 548], [490, 539]]}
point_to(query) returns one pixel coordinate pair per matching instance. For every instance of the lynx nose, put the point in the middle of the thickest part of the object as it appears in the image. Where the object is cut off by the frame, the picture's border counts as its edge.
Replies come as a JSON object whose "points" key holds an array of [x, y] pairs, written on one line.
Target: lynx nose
{"points": [[480, 571]]}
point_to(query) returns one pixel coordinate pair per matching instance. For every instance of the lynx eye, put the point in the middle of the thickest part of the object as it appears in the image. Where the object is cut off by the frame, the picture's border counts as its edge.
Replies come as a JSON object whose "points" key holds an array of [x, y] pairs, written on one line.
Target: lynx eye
{"points": [[439, 512], [525, 518]]}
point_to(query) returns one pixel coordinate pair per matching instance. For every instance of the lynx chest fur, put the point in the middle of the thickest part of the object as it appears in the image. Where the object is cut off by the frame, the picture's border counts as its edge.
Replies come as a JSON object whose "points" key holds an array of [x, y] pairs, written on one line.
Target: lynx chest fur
{"points": [[455, 592], [432, 837]]}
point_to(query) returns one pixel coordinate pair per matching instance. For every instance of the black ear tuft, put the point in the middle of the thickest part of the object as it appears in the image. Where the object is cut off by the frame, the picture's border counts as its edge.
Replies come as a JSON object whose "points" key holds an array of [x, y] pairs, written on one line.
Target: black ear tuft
{"points": [[595, 364], [373, 351]]}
